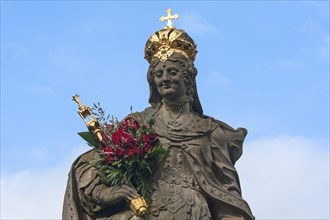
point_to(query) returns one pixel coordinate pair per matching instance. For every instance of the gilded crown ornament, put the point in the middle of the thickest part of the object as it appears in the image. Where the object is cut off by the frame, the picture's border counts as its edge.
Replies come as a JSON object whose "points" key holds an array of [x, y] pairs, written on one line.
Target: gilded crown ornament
{"points": [[162, 44]]}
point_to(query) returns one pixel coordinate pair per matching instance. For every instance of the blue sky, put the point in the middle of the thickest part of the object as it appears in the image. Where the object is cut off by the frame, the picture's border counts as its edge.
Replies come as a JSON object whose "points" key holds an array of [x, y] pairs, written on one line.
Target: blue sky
{"points": [[263, 65]]}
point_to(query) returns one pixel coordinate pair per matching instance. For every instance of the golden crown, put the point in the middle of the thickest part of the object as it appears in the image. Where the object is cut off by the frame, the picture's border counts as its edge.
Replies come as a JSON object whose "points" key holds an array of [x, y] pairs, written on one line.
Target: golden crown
{"points": [[162, 44]]}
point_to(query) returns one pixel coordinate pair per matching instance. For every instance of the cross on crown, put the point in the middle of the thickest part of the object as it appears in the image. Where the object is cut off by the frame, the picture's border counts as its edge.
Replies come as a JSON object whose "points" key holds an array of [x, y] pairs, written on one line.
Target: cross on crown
{"points": [[169, 18]]}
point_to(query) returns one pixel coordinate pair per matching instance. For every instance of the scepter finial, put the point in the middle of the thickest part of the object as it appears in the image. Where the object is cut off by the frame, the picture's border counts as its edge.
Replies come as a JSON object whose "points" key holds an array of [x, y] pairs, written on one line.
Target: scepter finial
{"points": [[77, 100], [87, 115]]}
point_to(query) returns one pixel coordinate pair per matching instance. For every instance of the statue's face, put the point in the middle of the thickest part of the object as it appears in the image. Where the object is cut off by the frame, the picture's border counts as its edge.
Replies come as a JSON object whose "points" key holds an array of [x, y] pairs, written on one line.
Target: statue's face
{"points": [[169, 79]]}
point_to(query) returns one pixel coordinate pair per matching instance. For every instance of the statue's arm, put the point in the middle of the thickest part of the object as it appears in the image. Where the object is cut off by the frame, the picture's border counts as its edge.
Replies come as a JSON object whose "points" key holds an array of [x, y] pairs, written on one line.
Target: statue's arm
{"points": [[226, 148], [89, 186], [111, 195], [225, 173], [95, 195], [224, 169], [220, 211]]}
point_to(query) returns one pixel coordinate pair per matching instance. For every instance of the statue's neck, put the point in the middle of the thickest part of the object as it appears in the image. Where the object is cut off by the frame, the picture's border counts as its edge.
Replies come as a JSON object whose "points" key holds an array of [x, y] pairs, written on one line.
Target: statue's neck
{"points": [[175, 112], [176, 107]]}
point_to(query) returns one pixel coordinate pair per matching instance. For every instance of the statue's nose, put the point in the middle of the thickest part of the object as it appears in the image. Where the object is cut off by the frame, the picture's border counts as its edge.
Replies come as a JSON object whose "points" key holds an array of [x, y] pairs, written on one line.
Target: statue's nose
{"points": [[166, 77]]}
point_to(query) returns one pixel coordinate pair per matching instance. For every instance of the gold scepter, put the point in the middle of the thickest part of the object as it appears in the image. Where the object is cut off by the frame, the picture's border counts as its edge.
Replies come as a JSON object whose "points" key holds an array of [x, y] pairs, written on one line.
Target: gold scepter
{"points": [[87, 115], [138, 205]]}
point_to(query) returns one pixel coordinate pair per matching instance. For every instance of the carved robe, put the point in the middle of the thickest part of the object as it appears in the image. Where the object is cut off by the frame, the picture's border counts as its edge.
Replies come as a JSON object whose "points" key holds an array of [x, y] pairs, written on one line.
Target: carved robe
{"points": [[197, 180]]}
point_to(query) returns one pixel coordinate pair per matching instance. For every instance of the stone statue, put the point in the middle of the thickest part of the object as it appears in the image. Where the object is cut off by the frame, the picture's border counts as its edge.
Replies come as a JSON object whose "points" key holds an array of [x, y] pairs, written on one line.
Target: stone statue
{"points": [[198, 179]]}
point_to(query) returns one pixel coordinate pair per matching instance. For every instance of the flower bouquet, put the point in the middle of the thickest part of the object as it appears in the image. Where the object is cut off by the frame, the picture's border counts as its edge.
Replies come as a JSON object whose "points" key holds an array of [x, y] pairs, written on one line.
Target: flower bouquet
{"points": [[128, 150]]}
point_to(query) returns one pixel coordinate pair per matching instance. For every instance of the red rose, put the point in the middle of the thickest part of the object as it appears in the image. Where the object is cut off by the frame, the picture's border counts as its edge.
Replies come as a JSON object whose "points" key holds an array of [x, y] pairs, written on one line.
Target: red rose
{"points": [[147, 148], [152, 136], [127, 122], [126, 138], [109, 158], [145, 138], [116, 136], [128, 152], [108, 149], [130, 144], [137, 150], [135, 125], [119, 152]]}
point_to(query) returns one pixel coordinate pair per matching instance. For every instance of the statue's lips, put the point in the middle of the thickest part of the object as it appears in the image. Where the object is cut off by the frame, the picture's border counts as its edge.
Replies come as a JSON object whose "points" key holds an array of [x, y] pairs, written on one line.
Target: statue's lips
{"points": [[167, 86]]}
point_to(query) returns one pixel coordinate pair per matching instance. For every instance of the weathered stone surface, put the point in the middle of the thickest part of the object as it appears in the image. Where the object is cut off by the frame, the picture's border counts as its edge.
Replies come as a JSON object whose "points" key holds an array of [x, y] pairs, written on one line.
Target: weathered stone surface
{"points": [[197, 180]]}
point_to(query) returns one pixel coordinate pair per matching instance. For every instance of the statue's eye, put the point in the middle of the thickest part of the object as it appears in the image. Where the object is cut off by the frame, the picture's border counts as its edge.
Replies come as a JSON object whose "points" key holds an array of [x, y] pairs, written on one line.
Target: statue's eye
{"points": [[173, 72], [159, 74]]}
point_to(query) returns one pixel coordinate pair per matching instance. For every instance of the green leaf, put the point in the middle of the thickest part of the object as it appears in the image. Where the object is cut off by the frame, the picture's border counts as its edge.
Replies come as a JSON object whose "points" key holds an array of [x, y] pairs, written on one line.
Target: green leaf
{"points": [[89, 137]]}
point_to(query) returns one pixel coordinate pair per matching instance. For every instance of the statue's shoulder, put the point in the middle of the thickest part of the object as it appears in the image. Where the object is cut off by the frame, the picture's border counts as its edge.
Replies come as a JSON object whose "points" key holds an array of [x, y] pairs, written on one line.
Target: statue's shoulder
{"points": [[235, 137], [85, 157], [89, 155], [145, 115], [224, 126]]}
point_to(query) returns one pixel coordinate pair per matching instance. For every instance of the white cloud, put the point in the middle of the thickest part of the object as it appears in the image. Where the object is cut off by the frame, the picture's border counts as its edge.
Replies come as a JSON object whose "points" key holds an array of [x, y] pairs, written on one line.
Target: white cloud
{"points": [[36, 194], [282, 178], [286, 177]]}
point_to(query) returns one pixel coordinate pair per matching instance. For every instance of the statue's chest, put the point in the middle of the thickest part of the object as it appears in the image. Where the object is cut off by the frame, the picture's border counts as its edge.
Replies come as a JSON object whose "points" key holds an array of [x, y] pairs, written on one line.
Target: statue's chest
{"points": [[176, 168], [176, 188]]}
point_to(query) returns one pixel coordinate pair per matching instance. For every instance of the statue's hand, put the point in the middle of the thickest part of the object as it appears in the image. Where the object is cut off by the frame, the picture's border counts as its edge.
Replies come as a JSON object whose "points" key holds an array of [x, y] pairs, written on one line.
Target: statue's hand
{"points": [[111, 195]]}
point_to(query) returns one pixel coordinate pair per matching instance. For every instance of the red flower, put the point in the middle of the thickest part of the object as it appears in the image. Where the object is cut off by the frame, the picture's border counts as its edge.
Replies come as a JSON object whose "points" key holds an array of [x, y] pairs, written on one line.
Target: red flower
{"points": [[145, 138], [135, 125], [128, 152], [130, 144], [137, 150], [152, 136], [127, 123], [116, 137], [126, 138], [147, 148], [109, 158], [119, 152], [108, 149], [123, 151]]}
